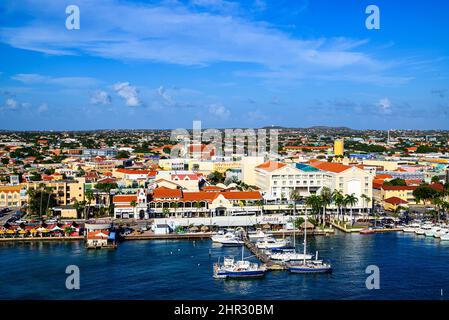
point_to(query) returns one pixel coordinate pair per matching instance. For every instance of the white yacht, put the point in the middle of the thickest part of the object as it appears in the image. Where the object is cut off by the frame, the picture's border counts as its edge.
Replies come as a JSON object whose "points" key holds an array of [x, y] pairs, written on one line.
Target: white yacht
{"points": [[411, 227], [423, 229], [271, 243], [431, 232], [445, 237], [229, 234], [442, 232], [290, 256], [259, 234]]}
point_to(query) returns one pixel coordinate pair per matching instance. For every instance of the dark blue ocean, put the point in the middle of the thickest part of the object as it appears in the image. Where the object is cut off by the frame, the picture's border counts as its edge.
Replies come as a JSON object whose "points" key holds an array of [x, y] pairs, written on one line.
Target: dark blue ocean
{"points": [[411, 267]]}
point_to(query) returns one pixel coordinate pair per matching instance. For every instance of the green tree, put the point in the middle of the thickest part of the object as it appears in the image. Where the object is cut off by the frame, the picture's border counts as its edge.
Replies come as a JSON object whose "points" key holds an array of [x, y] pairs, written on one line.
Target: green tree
{"points": [[216, 177], [351, 200]]}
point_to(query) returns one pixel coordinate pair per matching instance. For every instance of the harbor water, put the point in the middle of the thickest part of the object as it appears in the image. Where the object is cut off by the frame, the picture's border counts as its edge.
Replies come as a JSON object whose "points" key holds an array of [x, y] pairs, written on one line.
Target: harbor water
{"points": [[411, 267]]}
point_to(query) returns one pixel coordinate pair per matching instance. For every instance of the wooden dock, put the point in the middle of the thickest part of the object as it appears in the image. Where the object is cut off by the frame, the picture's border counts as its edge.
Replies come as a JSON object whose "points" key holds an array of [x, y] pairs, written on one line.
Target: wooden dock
{"points": [[262, 256], [35, 239]]}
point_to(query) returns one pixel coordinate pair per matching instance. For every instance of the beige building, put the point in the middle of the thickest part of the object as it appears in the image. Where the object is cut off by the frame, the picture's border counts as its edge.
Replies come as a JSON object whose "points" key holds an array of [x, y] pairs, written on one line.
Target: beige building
{"points": [[248, 165]]}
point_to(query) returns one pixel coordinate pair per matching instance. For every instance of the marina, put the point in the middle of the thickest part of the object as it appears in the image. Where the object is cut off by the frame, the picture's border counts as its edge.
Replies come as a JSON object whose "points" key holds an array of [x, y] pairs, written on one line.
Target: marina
{"points": [[178, 269]]}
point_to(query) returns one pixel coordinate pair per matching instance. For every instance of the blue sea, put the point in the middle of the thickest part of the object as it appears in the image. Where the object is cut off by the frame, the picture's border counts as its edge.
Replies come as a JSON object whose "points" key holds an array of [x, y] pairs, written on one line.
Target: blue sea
{"points": [[411, 267]]}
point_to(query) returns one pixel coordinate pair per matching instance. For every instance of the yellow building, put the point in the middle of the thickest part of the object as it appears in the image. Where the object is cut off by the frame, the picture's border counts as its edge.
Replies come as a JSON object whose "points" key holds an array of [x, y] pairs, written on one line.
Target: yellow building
{"points": [[339, 147], [10, 196]]}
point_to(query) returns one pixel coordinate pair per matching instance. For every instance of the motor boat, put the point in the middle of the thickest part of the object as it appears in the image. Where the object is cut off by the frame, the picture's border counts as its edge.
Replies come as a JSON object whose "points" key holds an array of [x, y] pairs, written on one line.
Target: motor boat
{"points": [[445, 237], [223, 236], [290, 256], [232, 242], [431, 232], [411, 228], [271, 243], [257, 235], [238, 269], [367, 231], [423, 229], [442, 232]]}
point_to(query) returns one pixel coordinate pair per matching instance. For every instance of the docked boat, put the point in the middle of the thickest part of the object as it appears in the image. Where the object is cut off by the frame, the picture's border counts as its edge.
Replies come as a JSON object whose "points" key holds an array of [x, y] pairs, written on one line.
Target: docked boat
{"points": [[254, 236], [367, 231], [232, 242], [221, 235], [309, 266], [411, 228], [271, 243], [423, 229], [440, 233], [432, 231], [238, 269], [290, 256], [445, 237]]}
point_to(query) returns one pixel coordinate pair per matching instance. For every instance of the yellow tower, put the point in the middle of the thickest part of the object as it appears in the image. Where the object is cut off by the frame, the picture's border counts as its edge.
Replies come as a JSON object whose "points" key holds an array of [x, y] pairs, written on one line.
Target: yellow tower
{"points": [[339, 147]]}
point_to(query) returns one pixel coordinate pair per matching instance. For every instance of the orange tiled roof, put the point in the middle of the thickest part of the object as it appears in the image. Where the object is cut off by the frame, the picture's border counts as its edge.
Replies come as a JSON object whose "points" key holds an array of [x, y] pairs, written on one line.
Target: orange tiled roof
{"points": [[271, 165], [163, 192], [383, 176], [128, 198], [330, 166]]}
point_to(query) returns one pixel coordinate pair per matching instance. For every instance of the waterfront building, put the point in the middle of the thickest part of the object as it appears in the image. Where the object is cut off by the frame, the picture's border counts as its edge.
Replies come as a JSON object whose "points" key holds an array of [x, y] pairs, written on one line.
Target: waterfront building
{"points": [[348, 180], [180, 203], [278, 180]]}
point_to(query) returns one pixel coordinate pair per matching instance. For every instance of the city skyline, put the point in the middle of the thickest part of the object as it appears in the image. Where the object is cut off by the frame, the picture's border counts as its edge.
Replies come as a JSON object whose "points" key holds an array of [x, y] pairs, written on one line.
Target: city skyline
{"points": [[163, 64]]}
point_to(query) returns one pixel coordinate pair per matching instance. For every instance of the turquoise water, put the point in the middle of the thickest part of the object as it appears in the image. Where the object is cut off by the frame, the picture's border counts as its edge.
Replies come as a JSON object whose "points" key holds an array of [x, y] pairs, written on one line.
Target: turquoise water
{"points": [[411, 267]]}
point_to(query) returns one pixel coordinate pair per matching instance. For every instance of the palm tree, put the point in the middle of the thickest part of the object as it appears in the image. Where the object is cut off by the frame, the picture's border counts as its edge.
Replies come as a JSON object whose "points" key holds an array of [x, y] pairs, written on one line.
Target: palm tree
{"points": [[166, 212], [295, 196], [351, 200], [315, 203], [89, 195], [366, 200], [175, 205], [326, 199], [338, 199], [437, 202], [259, 204]]}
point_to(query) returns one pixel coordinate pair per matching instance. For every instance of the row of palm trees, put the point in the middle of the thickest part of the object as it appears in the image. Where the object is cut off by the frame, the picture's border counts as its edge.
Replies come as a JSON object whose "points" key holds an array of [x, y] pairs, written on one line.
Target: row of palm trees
{"points": [[320, 203]]}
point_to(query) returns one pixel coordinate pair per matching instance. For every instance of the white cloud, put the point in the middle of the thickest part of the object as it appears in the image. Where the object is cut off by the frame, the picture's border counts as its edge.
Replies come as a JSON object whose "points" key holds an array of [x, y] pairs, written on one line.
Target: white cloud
{"points": [[219, 111], [42, 108], [11, 103], [100, 97], [179, 35], [384, 105], [34, 78], [128, 93], [163, 94]]}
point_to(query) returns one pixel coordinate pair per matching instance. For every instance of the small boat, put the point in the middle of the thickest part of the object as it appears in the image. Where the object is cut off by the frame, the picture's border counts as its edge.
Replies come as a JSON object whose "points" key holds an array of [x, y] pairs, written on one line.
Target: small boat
{"points": [[232, 242], [257, 235], [440, 233], [431, 232], [367, 231], [290, 256], [423, 229], [238, 269], [445, 237], [411, 228], [271, 243], [223, 235], [312, 266]]}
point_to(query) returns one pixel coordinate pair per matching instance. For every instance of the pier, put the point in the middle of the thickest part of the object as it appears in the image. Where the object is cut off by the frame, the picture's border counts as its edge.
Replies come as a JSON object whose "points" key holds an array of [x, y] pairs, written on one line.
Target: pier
{"points": [[262, 256]]}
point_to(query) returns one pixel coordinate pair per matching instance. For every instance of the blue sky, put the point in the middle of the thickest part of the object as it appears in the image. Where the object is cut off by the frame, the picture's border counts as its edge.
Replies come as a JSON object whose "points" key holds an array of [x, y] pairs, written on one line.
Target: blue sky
{"points": [[163, 64]]}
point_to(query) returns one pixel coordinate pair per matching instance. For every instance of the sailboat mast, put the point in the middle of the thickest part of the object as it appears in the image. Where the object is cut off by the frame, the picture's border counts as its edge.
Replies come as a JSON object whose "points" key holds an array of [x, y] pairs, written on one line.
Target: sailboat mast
{"points": [[305, 237]]}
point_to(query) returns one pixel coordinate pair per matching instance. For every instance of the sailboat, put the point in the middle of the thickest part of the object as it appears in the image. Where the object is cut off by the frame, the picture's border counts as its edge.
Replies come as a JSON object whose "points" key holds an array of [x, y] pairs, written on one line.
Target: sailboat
{"points": [[287, 256], [309, 266], [238, 269]]}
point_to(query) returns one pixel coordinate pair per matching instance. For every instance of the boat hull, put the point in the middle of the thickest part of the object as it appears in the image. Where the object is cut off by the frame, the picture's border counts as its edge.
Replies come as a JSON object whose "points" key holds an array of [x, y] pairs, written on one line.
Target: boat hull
{"points": [[310, 270], [241, 274]]}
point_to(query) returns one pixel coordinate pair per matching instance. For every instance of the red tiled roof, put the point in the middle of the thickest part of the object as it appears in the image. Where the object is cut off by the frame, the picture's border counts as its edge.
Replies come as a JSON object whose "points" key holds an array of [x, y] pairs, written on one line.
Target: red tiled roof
{"points": [[399, 187], [132, 171], [395, 200], [383, 176], [128, 198]]}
